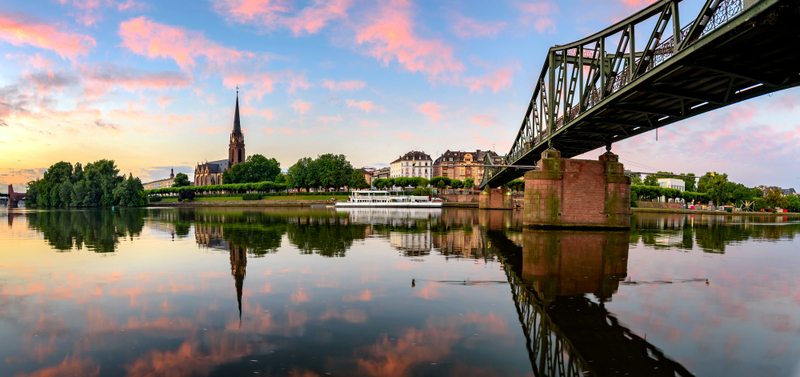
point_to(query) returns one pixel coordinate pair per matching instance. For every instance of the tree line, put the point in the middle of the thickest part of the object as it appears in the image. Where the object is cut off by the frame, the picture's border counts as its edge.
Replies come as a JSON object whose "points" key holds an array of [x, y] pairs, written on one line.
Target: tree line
{"points": [[97, 184], [327, 171]]}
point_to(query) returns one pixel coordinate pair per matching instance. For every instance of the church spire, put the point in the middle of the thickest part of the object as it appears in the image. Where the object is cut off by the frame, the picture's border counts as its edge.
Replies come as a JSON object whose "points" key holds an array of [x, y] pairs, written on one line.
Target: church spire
{"points": [[237, 128]]}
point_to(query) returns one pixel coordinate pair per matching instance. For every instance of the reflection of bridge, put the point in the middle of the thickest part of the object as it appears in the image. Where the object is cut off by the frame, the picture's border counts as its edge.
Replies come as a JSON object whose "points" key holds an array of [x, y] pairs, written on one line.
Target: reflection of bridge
{"points": [[587, 97], [567, 333]]}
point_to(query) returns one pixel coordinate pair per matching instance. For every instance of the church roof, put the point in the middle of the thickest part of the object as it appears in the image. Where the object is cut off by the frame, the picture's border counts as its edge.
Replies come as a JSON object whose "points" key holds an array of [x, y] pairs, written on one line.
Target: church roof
{"points": [[215, 166]]}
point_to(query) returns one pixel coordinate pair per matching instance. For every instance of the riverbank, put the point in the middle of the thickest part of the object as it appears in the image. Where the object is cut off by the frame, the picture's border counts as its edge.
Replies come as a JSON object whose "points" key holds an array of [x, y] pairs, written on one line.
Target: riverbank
{"points": [[712, 213]]}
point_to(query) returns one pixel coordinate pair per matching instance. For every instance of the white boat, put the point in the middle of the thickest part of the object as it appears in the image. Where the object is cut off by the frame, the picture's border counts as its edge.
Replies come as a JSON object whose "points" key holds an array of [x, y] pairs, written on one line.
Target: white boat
{"points": [[369, 198]]}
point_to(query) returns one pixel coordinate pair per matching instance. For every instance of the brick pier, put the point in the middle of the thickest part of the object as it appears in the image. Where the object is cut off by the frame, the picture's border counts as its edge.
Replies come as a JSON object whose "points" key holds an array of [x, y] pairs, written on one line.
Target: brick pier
{"points": [[571, 193], [495, 198]]}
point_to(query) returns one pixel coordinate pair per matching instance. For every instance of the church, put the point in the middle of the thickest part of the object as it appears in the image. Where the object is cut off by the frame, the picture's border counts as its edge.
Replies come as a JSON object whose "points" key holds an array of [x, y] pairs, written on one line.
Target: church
{"points": [[210, 173]]}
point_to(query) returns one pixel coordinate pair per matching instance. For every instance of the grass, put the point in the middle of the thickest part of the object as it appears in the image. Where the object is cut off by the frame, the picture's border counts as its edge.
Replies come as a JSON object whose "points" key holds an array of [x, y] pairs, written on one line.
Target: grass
{"points": [[239, 198]]}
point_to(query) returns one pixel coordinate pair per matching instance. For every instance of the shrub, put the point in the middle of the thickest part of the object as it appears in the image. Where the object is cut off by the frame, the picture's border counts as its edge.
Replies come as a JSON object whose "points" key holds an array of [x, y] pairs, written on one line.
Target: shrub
{"points": [[252, 197], [186, 194], [154, 199]]}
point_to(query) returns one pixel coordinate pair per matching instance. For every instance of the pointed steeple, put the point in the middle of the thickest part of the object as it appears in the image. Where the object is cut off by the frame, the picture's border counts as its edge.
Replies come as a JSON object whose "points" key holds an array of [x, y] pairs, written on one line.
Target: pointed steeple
{"points": [[237, 128]]}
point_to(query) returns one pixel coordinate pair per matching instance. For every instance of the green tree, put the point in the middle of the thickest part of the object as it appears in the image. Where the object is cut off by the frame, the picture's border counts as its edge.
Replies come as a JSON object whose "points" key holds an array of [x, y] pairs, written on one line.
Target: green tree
{"points": [[181, 180], [334, 170], [794, 203], [469, 183], [256, 168], [651, 180], [456, 184], [690, 182], [440, 182], [357, 180], [299, 175], [775, 198], [636, 179], [401, 182], [719, 189]]}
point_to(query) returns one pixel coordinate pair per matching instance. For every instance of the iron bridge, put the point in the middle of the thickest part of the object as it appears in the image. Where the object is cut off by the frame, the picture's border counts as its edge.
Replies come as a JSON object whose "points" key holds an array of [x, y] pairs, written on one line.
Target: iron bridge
{"points": [[588, 96]]}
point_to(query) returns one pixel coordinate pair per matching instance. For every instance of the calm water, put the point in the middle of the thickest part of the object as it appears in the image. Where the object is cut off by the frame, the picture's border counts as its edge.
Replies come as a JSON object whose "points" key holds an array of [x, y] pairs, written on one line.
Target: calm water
{"points": [[299, 292]]}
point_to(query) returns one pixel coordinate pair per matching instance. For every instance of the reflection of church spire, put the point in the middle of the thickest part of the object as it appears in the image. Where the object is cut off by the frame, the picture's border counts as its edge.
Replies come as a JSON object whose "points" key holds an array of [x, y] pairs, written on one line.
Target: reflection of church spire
{"points": [[238, 270]]}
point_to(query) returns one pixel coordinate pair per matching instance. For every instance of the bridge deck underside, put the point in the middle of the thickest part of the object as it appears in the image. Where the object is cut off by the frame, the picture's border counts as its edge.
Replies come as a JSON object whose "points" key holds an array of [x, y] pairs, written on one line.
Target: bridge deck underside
{"points": [[716, 72]]}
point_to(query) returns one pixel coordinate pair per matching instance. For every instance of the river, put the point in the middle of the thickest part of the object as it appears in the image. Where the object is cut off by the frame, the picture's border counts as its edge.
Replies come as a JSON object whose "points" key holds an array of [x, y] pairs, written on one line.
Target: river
{"points": [[393, 292]]}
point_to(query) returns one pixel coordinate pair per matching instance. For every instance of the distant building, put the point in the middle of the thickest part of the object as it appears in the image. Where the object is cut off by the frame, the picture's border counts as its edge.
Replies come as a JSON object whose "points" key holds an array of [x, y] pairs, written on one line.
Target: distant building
{"points": [[787, 192], [412, 164], [672, 183], [210, 173], [161, 183], [382, 173], [462, 165], [784, 192], [369, 174]]}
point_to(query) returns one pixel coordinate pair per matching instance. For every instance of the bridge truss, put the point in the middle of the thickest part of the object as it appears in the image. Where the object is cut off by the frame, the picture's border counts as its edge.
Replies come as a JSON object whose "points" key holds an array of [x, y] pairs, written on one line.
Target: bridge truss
{"points": [[589, 96]]}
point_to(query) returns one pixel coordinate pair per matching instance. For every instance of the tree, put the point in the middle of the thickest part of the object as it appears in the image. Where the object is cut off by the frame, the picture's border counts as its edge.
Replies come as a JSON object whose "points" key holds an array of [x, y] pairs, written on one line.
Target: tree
{"points": [[401, 182], [469, 183], [299, 175], [334, 170], [181, 180], [794, 203], [718, 188], [440, 182], [775, 199], [357, 180], [689, 182], [256, 168], [636, 179], [456, 184], [651, 180]]}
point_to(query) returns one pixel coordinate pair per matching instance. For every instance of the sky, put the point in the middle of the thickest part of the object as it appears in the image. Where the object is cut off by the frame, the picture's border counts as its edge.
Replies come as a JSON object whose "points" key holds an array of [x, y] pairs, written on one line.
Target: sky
{"points": [[152, 85]]}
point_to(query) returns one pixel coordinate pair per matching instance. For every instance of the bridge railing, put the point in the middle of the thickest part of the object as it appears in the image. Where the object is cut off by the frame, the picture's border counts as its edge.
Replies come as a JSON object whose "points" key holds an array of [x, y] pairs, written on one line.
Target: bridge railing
{"points": [[578, 76]]}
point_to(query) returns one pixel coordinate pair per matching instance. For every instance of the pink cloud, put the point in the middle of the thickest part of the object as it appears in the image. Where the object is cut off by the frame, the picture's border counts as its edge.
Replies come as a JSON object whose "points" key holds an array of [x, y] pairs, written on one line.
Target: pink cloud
{"points": [[637, 3], [287, 131], [165, 100], [301, 106], [151, 39], [90, 10], [105, 76], [406, 135], [340, 86], [267, 113], [432, 110], [297, 81], [500, 78], [389, 36], [19, 30], [465, 27], [367, 106], [274, 14], [212, 130], [485, 120], [336, 119], [369, 125], [538, 15]]}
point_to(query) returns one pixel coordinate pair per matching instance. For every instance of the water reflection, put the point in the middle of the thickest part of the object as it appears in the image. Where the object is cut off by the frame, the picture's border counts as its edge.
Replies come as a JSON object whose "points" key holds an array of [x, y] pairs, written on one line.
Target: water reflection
{"points": [[320, 294]]}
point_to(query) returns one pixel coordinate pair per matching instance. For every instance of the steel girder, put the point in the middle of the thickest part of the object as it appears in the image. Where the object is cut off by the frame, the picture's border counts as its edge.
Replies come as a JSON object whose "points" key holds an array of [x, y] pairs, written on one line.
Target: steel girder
{"points": [[587, 97]]}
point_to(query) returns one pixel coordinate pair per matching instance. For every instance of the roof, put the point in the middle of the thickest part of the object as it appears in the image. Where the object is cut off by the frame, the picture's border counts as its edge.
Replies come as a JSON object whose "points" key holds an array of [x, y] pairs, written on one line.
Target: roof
{"points": [[215, 166], [236, 125], [458, 156], [413, 155]]}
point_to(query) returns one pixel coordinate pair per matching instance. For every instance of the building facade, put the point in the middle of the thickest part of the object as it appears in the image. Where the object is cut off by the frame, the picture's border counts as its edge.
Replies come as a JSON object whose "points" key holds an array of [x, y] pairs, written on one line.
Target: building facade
{"points": [[672, 183], [382, 173], [210, 173], [161, 183], [412, 164], [462, 164]]}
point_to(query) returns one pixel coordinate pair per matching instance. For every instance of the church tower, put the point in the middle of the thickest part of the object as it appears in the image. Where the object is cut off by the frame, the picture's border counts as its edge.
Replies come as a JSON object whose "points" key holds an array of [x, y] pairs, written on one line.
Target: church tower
{"points": [[236, 147]]}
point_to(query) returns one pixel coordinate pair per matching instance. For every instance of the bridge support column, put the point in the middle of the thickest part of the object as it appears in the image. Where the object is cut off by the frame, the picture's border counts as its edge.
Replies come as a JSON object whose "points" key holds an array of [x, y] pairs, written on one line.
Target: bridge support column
{"points": [[495, 198], [571, 193]]}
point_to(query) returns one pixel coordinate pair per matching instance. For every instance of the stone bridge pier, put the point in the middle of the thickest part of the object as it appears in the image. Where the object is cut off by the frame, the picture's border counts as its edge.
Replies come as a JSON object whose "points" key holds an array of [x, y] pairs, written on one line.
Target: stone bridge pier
{"points": [[572, 193], [495, 198]]}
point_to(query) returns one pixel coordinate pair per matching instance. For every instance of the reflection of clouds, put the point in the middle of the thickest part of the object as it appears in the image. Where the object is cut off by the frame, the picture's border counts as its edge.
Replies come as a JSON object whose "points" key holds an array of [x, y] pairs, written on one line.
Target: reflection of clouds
{"points": [[190, 359], [350, 315], [732, 343], [397, 357], [299, 296], [427, 292], [778, 349], [71, 366], [365, 295], [777, 322]]}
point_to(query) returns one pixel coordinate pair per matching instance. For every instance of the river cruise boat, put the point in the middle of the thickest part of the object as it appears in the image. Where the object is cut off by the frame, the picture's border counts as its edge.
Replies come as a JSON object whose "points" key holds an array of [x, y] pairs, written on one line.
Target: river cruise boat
{"points": [[386, 199]]}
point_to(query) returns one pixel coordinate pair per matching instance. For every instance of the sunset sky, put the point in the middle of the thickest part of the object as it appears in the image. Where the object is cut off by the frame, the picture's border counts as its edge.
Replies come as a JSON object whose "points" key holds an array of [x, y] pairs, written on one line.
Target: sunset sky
{"points": [[151, 85]]}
